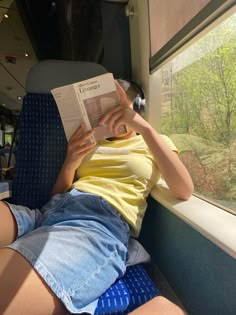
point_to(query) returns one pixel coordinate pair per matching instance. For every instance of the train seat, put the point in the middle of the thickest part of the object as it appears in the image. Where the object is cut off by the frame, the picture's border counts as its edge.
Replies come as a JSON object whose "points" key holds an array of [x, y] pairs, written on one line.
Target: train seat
{"points": [[40, 153]]}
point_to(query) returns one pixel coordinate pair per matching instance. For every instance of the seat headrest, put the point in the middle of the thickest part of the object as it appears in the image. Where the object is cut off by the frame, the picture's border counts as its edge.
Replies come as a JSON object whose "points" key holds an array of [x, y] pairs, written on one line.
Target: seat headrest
{"points": [[49, 74]]}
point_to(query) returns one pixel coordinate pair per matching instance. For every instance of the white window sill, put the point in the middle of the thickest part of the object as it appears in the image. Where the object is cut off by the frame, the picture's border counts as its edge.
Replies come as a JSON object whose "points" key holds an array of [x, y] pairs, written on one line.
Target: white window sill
{"points": [[215, 224]]}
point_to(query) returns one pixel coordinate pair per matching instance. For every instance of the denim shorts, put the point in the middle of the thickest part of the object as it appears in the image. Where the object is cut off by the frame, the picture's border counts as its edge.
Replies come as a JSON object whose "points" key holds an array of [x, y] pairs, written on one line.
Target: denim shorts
{"points": [[77, 243]]}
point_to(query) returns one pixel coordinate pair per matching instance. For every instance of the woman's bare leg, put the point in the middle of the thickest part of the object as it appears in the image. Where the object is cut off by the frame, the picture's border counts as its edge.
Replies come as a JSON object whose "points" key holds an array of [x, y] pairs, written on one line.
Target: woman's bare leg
{"points": [[22, 290], [159, 305], [8, 226]]}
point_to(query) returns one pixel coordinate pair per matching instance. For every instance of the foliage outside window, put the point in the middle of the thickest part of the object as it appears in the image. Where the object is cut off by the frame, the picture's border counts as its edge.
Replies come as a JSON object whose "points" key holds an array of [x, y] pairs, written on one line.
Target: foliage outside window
{"points": [[199, 111], [8, 138]]}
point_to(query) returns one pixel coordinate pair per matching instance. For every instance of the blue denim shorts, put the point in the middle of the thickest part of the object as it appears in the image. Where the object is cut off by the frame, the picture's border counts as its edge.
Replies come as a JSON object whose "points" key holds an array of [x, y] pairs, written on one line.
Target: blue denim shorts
{"points": [[77, 243]]}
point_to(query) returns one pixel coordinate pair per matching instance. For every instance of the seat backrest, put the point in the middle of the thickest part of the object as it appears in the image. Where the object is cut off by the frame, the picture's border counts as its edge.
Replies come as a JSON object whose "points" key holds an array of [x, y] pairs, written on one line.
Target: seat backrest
{"points": [[42, 143], [49, 74]]}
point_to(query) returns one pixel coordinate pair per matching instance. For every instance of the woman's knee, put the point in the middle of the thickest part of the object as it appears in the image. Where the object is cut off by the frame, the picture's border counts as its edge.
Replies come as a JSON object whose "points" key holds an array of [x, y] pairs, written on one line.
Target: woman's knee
{"points": [[163, 304], [8, 225], [158, 305]]}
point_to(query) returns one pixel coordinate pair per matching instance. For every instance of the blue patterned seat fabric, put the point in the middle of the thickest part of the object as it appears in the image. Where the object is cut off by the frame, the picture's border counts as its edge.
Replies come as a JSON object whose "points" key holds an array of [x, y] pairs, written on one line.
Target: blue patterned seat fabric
{"points": [[132, 290], [40, 153]]}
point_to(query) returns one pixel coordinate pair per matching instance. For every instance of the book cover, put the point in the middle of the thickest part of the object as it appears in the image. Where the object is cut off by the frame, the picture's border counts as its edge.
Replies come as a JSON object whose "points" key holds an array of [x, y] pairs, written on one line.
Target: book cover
{"points": [[87, 101]]}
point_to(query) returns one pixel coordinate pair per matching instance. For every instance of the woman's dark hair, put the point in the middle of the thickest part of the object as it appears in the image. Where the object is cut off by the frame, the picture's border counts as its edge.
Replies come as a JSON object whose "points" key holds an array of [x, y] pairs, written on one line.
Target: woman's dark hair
{"points": [[135, 93]]}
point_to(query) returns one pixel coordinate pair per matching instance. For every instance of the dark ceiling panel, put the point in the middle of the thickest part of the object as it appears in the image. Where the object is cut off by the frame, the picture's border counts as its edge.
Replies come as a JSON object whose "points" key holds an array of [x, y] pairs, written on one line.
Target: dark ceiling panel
{"points": [[70, 30]]}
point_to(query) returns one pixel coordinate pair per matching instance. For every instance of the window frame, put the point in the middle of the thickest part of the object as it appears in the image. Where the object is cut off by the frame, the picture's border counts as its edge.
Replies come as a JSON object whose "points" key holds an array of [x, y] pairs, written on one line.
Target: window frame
{"points": [[210, 13]]}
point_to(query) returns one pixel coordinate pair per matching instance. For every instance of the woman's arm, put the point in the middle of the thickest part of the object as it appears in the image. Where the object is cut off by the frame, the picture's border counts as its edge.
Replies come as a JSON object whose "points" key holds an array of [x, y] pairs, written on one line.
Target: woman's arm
{"points": [[172, 169], [78, 147]]}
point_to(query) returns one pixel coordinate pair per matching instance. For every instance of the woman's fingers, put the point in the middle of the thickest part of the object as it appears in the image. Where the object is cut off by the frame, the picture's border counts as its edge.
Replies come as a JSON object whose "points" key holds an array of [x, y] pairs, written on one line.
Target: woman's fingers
{"points": [[109, 114], [78, 131], [114, 119], [82, 147], [120, 90], [79, 145], [80, 135]]}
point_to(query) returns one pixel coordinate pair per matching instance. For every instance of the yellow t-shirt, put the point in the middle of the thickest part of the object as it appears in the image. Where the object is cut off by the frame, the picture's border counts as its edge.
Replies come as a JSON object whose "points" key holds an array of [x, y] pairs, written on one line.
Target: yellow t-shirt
{"points": [[123, 172]]}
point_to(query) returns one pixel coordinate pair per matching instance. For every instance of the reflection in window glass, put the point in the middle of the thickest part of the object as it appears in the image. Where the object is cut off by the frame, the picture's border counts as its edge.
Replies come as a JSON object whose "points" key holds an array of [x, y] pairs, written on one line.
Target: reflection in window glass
{"points": [[8, 138], [199, 111]]}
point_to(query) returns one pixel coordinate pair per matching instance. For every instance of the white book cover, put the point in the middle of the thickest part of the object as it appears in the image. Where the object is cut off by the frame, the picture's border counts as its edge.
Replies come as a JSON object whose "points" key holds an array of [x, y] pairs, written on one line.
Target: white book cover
{"points": [[87, 101]]}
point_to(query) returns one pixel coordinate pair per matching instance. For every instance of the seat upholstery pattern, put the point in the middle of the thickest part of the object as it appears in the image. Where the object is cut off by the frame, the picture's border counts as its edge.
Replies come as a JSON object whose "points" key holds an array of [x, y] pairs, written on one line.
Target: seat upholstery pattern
{"points": [[132, 290], [40, 152]]}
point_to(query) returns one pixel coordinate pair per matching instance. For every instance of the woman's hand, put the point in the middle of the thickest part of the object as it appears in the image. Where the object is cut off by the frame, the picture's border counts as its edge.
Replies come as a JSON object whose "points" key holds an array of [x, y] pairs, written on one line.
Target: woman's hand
{"points": [[123, 114], [79, 145]]}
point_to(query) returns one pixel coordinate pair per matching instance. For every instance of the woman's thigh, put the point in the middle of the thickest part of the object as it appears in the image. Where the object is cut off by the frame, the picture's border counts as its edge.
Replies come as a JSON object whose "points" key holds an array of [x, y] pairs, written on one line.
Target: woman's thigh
{"points": [[22, 290], [8, 225]]}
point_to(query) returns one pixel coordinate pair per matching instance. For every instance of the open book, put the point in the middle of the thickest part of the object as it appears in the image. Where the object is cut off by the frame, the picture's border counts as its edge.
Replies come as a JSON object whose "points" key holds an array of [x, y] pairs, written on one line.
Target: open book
{"points": [[87, 101]]}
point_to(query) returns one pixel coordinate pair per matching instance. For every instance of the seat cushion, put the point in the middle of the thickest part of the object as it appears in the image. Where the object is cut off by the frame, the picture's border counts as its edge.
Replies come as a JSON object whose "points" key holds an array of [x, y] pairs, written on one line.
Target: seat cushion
{"points": [[132, 290]]}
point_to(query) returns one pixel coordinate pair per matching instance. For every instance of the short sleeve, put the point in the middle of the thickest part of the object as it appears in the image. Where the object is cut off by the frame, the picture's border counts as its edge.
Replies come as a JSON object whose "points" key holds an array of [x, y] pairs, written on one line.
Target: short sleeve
{"points": [[170, 143]]}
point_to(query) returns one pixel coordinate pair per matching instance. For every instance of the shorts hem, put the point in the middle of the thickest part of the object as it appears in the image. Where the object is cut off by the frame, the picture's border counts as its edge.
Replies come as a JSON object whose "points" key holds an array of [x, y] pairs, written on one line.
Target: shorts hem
{"points": [[19, 222]]}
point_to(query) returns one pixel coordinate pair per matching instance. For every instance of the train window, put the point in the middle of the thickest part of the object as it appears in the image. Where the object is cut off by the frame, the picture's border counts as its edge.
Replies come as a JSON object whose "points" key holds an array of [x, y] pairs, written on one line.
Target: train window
{"points": [[198, 110]]}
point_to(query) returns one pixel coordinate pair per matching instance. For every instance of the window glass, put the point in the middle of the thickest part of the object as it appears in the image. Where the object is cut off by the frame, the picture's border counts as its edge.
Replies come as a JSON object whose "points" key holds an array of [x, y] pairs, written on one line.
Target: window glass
{"points": [[199, 111]]}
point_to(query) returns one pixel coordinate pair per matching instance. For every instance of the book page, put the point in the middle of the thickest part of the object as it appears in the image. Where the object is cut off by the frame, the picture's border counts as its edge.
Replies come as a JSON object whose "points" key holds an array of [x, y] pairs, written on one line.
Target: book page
{"points": [[99, 95], [69, 108]]}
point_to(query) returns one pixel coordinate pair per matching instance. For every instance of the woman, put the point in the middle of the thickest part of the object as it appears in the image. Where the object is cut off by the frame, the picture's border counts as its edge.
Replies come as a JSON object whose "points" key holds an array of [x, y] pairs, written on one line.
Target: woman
{"points": [[67, 254]]}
